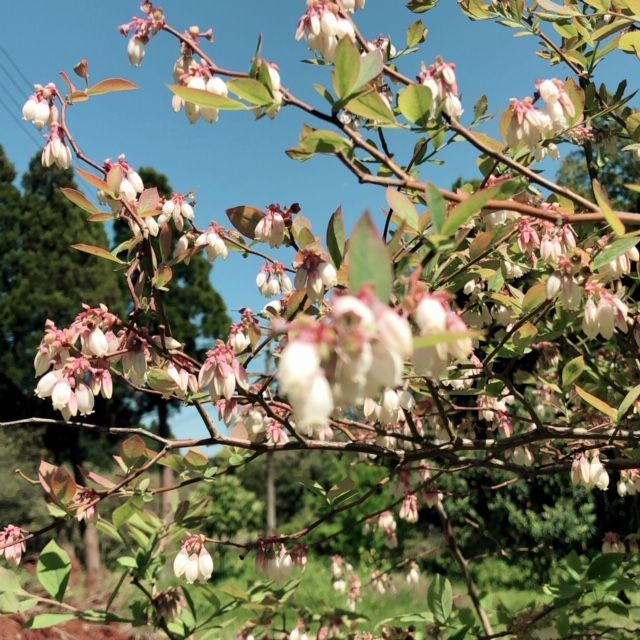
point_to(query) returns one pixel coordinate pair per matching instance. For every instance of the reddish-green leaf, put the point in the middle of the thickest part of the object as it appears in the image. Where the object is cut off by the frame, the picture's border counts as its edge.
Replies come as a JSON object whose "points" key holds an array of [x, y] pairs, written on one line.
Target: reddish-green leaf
{"points": [[149, 201], [80, 200], [133, 449], [97, 251], [110, 85], [98, 183], [245, 218], [598, 404]]}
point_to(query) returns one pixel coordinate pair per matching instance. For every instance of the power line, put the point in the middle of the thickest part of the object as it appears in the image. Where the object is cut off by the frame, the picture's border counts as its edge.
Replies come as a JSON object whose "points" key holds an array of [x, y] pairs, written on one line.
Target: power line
{"points": [[11, 97], [20, 123], [12, 81], [15, 66]]}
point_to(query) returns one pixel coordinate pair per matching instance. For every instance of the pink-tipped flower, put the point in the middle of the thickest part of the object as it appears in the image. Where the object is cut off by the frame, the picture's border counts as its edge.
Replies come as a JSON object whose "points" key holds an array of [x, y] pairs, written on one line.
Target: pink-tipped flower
{"points": [[193, 561], [526, 124], [213, 242], [271, 227], [12, 544]]}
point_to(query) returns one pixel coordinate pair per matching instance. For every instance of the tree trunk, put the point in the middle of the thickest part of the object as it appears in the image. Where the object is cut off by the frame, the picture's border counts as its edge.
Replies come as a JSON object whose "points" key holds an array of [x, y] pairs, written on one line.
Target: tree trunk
{"points": [[166, 473], [271, 495], [90, 552]]}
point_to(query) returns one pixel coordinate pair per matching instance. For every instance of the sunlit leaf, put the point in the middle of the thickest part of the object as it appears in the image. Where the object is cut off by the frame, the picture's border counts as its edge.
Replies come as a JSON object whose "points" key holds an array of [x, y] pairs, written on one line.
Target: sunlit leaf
{"points": [[110, 85]]}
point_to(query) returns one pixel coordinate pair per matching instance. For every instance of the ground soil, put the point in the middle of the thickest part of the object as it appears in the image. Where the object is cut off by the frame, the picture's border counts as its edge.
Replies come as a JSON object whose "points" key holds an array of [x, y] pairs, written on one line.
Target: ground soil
{"points": [[11, 629]]}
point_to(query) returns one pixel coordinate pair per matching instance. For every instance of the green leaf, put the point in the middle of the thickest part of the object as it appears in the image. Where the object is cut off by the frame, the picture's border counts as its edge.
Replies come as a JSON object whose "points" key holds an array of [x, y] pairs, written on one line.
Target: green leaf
{"points": [[205, 98], [480, 108], [8, 581], [416, 33], [347, 68], [615, 249], [372, 106], [53, 570], [468, 208], [110, 85], [196, 458], [421, 6], [371, 66], [79, 199], [596, 403], [609, 214], [534, 298], [572, 371], [324, 141], [605, 565], [630, 42], [440, 598], [403, 206], [627, 402], [251, 90], [336, 237], [43, 620], [415, 104], [369, 260], [437, 206], [97, 251]]}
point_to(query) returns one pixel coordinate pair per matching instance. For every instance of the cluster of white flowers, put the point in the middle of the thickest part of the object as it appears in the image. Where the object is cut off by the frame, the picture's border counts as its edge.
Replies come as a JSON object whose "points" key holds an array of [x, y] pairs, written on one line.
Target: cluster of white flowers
{"points": [[274, 561], [413, 575], [272, 280], [589, 472], [142, 29], [193, 561], [314, 273], [358, 350], [409, 508], [130, 184], [213, 242], [323, 27], [193, 75], [619, 266], [528, 125], [440, 78], [384, 522], [391, 407], [271, 226], [221, 372], [40, 109], [12, 543], [178, 209], [611, 543], [80, 371], [604, 312], [629, 483], [434, 316]]}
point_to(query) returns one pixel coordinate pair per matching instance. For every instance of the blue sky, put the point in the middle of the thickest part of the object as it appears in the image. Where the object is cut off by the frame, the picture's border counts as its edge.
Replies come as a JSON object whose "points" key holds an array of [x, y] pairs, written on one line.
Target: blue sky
{"points": [[238, 160]]}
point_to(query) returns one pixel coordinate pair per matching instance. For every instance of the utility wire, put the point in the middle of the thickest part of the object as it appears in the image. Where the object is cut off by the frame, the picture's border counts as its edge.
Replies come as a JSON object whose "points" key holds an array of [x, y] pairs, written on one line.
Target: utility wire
{"points": [[28, 84], [12, 81], [20, 123]]}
